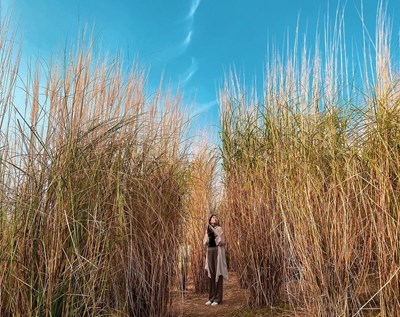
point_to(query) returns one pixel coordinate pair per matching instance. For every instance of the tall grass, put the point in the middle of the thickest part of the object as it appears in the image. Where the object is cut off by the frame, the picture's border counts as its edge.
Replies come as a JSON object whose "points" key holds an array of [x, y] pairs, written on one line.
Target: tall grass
{"points": [[311, 171], [92, 190], [201, 204]]}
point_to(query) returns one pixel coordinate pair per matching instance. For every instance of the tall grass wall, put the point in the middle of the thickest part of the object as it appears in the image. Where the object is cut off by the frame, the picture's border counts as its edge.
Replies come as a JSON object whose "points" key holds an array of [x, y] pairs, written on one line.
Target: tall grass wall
{"points": [[92, 185], [201, 204], [312, 179]]}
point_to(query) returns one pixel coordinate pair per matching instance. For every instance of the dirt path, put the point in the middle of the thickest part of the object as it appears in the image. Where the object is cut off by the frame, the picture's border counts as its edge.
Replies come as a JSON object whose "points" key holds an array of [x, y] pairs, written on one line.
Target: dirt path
{"points": [[191, 304]]}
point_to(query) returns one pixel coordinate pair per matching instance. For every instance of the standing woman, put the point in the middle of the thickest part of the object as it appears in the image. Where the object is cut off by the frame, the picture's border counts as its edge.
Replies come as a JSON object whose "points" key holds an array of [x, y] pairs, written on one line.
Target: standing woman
{"points": [[216, 267]]}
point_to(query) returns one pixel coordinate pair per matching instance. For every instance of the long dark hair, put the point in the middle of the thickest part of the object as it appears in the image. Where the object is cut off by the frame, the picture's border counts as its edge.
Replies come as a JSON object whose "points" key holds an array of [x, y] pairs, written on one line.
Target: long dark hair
{"points": [[209, 219], [210, 232]]}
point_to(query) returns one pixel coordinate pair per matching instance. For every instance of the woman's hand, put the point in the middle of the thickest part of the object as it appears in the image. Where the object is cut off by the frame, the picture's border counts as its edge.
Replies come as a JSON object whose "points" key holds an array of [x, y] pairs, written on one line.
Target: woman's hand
{"points": [[212, 228], [217, 230]]}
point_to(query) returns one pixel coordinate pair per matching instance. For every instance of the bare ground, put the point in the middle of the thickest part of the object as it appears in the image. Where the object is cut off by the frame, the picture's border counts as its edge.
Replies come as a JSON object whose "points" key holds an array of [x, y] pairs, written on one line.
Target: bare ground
{"points": [[190, 304]]}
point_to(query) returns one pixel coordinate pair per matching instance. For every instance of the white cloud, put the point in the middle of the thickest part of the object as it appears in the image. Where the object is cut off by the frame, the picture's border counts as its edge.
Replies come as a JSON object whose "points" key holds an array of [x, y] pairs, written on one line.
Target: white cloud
{"points": [[178, 49], [193, 9], [187, 40], [204, 107], [188, 74]]}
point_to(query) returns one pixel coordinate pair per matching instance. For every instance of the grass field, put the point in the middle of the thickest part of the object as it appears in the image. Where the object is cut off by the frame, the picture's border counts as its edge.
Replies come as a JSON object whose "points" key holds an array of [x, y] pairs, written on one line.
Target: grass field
{"points": [[103, 201]]}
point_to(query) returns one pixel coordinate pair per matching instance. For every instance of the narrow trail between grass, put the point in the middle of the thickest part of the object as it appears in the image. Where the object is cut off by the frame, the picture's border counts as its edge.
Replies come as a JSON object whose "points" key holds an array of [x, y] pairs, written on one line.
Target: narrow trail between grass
{"points": [[190, 304]]}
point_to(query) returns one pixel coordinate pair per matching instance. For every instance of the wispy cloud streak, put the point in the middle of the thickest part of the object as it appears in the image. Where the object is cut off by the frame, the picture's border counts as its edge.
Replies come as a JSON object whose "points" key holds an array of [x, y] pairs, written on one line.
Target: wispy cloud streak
{"points": [[204, 107], [193, 9], [181, 47], [188, 74], [187, 40]]}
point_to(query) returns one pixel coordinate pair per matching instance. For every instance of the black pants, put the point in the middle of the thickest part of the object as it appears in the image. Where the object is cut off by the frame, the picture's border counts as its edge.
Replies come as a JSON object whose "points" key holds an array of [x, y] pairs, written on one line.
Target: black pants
{"points": [[216, 292]]}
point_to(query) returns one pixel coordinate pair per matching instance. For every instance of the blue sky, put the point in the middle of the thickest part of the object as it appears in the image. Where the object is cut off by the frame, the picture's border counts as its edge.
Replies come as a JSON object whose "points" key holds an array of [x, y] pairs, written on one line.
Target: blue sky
{"points": [[191, 42]]}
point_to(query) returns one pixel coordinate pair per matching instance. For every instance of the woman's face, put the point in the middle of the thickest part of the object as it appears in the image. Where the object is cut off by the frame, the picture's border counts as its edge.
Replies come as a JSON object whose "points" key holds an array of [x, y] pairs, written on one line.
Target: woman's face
{"points": [[214, 220]]}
